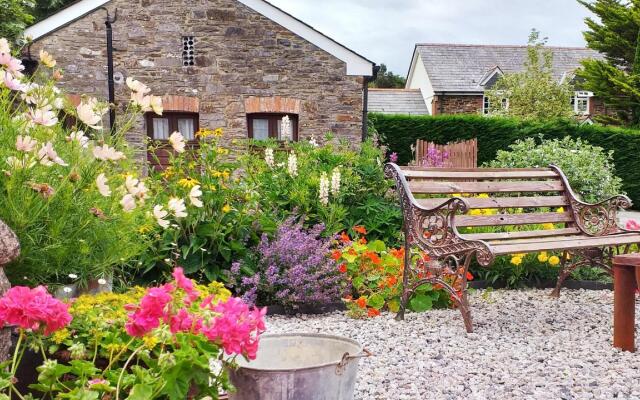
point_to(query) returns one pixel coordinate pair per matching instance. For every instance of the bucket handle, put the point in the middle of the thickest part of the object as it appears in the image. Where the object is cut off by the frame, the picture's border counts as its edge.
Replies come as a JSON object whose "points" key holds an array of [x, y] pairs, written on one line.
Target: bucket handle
{"points": [[346, 357]]}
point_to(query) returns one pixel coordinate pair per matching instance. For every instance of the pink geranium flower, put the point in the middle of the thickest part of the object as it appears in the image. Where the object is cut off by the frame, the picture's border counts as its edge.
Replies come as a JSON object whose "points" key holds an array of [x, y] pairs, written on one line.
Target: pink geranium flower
{"points": [[33, 309], [152, 308], [185, 284], [632, 225], [237, 328]]}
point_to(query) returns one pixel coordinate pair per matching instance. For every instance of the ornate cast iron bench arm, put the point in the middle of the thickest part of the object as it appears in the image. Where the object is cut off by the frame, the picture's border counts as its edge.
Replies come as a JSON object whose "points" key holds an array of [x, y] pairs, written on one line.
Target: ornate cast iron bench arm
{"points": [[597, 219], [433, 230]]}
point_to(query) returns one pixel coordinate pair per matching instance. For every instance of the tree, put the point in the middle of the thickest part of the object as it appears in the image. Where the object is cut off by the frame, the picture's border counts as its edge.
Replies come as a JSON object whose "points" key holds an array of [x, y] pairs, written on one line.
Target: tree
{"points": [[616, 79], [15, 17], [387, 79], [533, 93]]}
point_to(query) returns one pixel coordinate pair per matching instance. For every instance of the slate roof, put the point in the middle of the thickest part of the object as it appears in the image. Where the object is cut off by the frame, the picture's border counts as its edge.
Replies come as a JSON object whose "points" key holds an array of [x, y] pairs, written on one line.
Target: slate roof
{"points": [[461, 67], [397, 101]]}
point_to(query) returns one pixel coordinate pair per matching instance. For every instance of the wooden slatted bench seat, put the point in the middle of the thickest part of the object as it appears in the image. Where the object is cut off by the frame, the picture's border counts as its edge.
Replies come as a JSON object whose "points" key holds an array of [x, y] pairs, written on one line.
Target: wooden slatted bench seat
{"points": [[456, 215]]}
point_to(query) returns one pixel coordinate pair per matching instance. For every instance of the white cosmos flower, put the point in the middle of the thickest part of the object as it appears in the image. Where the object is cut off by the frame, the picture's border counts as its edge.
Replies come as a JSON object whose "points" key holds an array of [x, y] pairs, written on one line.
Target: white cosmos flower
{"points": [[159, 214], [107, 153], [89, 114], [48, 156], [137, 86], [12, 83], [103, 188], [194, 196], [43, 116], [73, 276], [177, 141], [102, 281], [128, 202], [136, 187], [156, 104], [79, 137], [25, 143], [177, 207]]}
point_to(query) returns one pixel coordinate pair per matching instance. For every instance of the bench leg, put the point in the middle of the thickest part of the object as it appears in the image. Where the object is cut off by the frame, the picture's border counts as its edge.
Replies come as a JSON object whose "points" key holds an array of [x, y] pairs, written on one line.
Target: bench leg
{"points": [[465, 310], [624, 307], [405, 278], [565, 271]]}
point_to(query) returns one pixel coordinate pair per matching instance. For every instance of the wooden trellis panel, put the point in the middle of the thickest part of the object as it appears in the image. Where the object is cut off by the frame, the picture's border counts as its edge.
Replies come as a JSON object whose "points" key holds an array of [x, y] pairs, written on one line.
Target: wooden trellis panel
{"points": [[460, 154]]}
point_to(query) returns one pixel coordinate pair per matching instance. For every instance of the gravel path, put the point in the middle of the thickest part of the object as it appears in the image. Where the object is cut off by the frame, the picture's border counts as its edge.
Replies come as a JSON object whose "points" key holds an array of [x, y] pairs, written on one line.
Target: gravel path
{"points": [[525, 346]]}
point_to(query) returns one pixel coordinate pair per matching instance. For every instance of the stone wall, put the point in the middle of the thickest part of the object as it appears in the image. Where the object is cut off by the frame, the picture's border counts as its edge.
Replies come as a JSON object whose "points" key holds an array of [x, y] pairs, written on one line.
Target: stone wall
{"points": [[242, 58], [457, 104]]}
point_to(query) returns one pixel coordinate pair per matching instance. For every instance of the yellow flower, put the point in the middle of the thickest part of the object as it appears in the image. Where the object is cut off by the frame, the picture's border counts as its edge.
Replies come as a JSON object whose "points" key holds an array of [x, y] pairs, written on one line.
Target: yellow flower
{"points": [[225, 174], [203, 133], [60, 336], [188, 182], [483, 196], [517, 260], [548, 225], [218, 132], [456, 195], [560, 210], [226, 208], [475, 212], [554, 260], [144, 229], [150, 342], [167, 173], [543, 257], [47, 59]]}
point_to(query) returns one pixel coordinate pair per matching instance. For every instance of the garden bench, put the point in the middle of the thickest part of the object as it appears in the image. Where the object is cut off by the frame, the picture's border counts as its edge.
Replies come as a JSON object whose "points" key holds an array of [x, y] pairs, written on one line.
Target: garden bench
{"points": [[514, 204]]}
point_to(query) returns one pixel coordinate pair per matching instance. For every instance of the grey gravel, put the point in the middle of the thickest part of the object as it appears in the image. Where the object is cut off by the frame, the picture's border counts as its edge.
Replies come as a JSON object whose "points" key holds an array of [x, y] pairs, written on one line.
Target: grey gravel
{"points": [[525, 346]]}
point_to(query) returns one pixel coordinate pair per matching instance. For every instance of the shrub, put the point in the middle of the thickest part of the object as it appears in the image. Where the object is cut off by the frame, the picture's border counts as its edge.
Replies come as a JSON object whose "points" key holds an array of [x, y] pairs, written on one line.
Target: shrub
{"points": [[292, 269], [399, 132], [335, 185], [220, 223], [178, 341], [61, 190], [588, 168]]}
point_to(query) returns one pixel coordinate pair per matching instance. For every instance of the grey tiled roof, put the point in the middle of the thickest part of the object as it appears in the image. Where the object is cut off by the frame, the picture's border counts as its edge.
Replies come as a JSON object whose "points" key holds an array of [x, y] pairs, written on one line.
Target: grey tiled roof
{"points": [[461, 67], [396, 101]]}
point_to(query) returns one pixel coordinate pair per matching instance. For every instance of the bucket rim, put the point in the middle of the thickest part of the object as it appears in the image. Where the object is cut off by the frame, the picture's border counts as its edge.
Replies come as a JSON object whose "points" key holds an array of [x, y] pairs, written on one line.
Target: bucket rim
{"points": [[307, 334]]}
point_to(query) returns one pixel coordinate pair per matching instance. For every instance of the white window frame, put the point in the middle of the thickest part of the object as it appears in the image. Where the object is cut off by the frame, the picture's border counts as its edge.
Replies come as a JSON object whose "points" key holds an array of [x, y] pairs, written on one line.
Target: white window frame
{"points": [[581, 95], [486, 104]]}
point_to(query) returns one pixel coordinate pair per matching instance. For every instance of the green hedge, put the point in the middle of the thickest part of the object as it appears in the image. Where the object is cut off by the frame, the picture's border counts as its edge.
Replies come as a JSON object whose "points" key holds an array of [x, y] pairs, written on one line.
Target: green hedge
{"points": [[399, 132]]}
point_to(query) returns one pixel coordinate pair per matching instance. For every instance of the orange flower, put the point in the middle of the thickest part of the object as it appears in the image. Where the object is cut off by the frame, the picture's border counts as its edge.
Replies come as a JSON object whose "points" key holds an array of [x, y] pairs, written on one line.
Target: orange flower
{"points": [[373, 257], [362, 240], [336, 254], [345, 238], [426, 257], [361, 302], [342, 268], [360, 229], [392, 280], [469, 276], [398, 253], [426, 234], [372, 312]]}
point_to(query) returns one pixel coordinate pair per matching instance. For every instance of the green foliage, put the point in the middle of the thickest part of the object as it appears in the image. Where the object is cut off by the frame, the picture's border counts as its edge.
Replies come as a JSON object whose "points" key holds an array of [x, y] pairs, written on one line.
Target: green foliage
{"points": [[616, 79], [400, 132], [65, 226], [15, 17], [533, 93], [387, 79], [362, 198], [589, 169]]}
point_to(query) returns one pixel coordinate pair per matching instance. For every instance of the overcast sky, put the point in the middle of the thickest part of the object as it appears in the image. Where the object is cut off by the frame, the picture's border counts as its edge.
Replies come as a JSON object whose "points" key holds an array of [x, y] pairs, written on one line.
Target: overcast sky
{"points": [[385, 31]]}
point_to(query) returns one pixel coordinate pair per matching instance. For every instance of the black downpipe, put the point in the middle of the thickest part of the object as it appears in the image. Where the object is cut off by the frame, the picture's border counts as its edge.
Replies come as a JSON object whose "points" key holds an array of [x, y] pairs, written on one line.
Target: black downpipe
{"points": [[365, 101], [111, 83]]}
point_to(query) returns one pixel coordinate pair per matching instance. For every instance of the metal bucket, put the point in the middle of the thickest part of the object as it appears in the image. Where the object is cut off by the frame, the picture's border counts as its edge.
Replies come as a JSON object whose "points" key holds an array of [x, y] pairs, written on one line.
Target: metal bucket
{"points": [[299, 367]]}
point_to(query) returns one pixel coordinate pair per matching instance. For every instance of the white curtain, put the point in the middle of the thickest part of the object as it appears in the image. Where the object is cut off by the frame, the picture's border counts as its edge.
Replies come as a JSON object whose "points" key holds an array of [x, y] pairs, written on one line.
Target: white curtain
{"points": [[160, 128]]}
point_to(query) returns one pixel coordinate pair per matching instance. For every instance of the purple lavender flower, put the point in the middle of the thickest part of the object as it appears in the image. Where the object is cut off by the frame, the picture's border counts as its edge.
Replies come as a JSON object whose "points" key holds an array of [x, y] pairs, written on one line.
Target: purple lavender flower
{"points": [[294, 268]]}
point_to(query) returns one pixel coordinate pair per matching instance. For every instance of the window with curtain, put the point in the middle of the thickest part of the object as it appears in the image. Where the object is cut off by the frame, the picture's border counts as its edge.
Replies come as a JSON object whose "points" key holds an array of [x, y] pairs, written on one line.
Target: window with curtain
{"points": [[160, 127], [263, 126]]}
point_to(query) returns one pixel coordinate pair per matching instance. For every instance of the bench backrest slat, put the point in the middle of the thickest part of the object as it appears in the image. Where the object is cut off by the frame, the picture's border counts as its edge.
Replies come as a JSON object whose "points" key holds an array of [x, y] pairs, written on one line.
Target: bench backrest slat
{"points": [[502, 202], [439, 187], [513, 219], [522, 234], [475, 174]]}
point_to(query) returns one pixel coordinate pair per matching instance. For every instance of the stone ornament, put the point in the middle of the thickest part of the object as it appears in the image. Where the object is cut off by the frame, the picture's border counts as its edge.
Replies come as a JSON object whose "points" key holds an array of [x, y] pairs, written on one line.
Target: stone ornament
{"points": [[9, 251]]}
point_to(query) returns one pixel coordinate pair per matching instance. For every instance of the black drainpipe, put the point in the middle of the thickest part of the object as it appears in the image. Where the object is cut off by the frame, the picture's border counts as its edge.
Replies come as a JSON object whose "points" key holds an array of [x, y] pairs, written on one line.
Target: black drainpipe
{"points": [[365, 101], [112, 91]]}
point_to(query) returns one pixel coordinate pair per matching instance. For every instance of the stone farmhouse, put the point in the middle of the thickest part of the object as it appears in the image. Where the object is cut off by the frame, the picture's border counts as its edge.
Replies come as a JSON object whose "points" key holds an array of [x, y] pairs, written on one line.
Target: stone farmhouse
{"points": [[237, 64], [452, 78]]}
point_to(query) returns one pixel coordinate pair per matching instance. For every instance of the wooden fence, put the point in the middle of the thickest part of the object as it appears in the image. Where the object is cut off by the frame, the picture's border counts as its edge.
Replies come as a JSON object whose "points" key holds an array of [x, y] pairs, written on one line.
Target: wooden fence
{"points": [[451, 155]]}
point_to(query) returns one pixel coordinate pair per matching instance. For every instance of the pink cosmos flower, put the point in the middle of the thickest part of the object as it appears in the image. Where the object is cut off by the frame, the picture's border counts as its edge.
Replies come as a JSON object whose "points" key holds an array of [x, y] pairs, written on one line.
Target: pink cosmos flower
{"points": [[33, 309], [632, 225], [237, 328], [185, 284], [13, 65], [12, 83], [393, 157]]}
